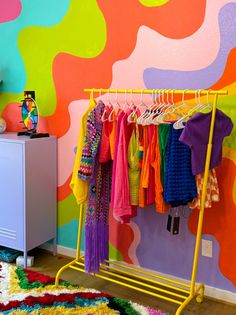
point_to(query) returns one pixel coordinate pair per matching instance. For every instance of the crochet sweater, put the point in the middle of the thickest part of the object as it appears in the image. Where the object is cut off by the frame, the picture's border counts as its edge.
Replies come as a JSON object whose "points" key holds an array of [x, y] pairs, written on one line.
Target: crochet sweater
{"points": [[179, 185]]}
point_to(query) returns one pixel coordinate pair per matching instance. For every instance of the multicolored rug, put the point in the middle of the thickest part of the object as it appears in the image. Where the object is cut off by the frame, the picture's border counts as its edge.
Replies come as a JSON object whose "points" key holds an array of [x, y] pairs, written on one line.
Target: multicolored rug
{"points": [[27, 292]]}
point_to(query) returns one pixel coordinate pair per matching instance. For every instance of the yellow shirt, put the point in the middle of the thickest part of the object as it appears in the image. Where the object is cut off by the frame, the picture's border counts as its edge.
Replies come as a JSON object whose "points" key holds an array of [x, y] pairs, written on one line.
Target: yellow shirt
{"points": [[79, 186], [133, 170]]}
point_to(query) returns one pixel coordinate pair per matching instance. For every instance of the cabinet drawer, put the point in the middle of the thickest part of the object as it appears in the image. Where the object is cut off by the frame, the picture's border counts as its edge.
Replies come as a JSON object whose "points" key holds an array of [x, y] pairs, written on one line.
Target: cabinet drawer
{"points": [[11, 195]]}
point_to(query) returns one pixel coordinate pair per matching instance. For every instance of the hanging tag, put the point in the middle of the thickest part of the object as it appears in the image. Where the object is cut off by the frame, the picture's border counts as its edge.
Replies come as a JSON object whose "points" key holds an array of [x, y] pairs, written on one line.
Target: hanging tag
{"points": [[176, 225], [169, 221], [176, 221]]}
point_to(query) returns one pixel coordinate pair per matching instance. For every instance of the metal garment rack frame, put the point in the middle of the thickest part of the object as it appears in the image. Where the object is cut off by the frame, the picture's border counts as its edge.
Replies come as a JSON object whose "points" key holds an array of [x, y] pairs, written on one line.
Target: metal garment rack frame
{"points": [[178, 292]]}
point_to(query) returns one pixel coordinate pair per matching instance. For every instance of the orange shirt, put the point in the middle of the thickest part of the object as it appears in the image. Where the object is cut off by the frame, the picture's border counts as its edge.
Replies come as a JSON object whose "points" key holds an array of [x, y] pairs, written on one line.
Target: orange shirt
{"points": [[161, 206]]}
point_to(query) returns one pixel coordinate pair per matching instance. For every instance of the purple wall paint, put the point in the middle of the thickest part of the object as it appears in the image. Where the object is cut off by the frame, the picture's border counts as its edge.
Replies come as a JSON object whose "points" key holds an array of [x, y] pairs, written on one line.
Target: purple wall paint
{"points": [[164, 252], [206, 77]]}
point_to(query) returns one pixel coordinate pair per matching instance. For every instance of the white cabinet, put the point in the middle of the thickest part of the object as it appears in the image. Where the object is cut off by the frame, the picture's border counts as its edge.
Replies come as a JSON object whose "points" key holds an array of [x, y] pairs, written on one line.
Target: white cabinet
{"points": [[28, 191]]}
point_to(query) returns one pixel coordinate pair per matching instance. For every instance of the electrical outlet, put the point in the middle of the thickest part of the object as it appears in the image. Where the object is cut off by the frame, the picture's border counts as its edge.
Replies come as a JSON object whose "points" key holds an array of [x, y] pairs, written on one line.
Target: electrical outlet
{"points": [[207, 248]]}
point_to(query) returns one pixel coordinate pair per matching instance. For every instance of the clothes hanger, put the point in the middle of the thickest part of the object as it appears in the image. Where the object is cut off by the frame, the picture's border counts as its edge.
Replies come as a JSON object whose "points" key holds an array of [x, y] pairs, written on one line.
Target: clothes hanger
{"points": [[171, 106], [179, 124], [166, 104], [148, 120], [198, 106], [157, 107], [142, 103], [183, 104], [146, 113], [126, 103], [161, 108], [166, 109], [207, 105], [111, 115], [176, 110], [105, 114], [132, 117]]}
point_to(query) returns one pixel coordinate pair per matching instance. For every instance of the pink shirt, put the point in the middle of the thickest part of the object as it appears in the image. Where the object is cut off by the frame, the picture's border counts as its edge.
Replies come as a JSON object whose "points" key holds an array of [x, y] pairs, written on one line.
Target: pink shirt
{"points": [[120, 195]]}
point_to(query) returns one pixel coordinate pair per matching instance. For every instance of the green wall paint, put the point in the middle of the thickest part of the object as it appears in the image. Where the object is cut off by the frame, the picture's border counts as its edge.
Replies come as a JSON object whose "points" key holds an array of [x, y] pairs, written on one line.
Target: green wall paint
{"points": [[67, 210], [153, 3], [82, 33]]}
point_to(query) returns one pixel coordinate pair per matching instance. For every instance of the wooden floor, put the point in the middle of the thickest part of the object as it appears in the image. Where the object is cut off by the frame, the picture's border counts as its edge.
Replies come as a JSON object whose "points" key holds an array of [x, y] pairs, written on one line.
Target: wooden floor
{"points": [[47, 264]]}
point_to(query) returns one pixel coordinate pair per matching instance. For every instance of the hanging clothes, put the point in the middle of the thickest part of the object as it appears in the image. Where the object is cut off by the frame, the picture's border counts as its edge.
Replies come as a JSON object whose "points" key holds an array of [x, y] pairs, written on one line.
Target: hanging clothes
{"points": [[150, 179], [112, 131], [179, 185], [196, 133], [161, 206], [212, 192], [80, 187], [114, 167], [98, 175], [143, 152], [121, 203], [105, 152], [163, 134], [133, 164]]}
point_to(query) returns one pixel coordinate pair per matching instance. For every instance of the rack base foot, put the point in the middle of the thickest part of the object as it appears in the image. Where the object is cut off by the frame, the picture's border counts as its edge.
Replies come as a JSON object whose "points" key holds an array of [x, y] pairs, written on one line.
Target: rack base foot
{"points": [[200, 293]]}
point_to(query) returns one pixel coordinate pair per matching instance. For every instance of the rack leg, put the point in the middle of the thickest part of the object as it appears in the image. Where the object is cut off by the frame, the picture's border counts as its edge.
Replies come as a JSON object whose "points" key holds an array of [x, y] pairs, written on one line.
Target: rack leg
{"points": [[203, 197], [80, 227], [61, 270], [183, 305], [78, 250]]}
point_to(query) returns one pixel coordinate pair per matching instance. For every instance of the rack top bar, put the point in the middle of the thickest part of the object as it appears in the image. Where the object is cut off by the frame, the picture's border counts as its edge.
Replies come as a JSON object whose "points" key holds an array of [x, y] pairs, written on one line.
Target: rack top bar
{"points": [[122, 91]]}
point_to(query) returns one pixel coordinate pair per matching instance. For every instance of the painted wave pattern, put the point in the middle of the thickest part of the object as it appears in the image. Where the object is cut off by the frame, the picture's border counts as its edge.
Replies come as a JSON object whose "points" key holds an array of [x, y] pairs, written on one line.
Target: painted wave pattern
{"points": [[120, 47]]}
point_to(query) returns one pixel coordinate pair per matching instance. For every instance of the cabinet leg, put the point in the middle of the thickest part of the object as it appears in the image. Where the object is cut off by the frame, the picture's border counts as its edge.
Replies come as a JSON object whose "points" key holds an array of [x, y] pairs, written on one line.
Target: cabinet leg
{"points": [[25, 259]]}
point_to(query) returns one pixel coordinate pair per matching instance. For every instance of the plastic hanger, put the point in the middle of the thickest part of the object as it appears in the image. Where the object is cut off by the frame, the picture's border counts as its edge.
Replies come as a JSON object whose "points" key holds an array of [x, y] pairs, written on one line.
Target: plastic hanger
{"points": [[166, 109], [179, 124], [111, 115], [207, 105], [142, 103], [126, 103], [134, 109], [198, 106], [156, 109], [161, 110], [146, 113], [105, 114], [172, 105]]}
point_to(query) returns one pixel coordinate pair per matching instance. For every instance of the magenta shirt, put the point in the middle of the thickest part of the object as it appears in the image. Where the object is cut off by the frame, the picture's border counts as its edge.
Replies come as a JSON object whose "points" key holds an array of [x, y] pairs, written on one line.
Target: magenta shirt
{"points": [[196, 133]]}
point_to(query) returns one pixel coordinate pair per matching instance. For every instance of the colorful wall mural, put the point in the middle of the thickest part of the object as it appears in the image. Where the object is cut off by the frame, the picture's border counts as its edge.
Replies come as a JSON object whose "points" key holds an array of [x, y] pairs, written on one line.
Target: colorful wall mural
{"points": [[59, 47]]}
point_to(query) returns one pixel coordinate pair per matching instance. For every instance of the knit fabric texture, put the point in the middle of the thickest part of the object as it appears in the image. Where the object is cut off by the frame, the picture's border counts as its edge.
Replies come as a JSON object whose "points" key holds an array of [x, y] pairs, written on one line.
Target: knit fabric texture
{"points": [[180, 185], [99, 177], [163, 133], [91, 142]]}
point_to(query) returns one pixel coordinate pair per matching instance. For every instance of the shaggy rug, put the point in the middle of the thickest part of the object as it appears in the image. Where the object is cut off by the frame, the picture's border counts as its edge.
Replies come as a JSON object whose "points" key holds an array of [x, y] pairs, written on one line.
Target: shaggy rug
{"points": [[27, 292]]}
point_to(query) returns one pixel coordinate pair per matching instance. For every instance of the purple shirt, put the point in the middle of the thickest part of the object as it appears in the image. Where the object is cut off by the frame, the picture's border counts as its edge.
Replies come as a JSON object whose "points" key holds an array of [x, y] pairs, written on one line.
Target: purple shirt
{"points": [[196, 134]]}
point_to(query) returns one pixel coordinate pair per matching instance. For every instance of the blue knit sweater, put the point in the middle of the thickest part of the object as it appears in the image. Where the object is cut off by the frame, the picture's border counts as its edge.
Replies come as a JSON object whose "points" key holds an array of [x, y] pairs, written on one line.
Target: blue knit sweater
{"points": [[179, 184]]}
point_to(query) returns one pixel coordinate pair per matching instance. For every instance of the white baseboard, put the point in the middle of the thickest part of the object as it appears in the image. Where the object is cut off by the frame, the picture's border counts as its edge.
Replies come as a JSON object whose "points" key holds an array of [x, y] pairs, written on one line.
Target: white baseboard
{"points": [[65, 251], [212, 292]]}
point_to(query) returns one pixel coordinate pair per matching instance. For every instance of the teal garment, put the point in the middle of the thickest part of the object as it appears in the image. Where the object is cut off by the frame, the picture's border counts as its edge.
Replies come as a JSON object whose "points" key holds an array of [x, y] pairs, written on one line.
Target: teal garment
{"points": [[9, 254], [163, 134]]}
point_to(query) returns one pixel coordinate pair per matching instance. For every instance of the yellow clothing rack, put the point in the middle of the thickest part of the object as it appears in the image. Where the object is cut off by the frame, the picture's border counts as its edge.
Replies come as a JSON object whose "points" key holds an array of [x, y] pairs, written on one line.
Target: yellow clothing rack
{"points": [[180, 293]]}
